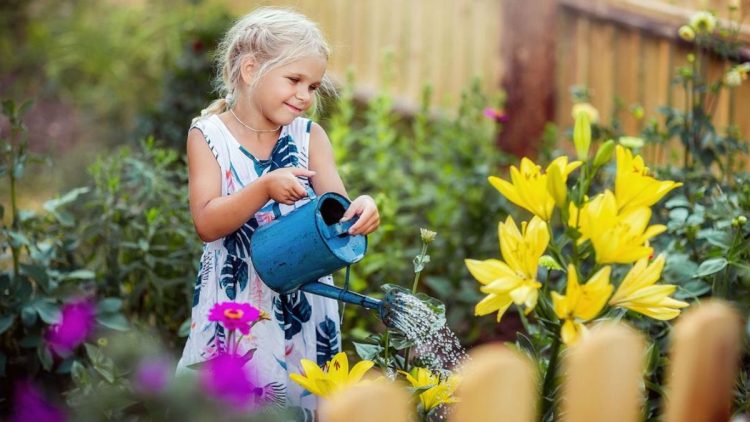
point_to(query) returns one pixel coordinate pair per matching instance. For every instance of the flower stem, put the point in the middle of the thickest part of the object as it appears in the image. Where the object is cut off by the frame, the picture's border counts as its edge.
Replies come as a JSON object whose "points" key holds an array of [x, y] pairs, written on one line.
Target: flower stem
{"points": [[548, 399], [407, 354]]}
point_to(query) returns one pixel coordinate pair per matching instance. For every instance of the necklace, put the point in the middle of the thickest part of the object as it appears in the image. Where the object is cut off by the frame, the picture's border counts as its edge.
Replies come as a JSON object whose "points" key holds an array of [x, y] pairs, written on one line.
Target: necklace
{"points": [[252, 128]]}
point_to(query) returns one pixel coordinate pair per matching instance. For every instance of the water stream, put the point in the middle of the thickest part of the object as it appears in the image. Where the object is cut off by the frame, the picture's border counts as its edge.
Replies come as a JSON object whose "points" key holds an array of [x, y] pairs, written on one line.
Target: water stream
{"points": [[435, 344]]}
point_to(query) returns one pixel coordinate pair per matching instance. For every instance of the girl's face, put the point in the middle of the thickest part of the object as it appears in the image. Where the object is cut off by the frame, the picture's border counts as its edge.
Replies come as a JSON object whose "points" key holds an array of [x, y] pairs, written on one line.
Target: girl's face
{"points": [[286, 92]]}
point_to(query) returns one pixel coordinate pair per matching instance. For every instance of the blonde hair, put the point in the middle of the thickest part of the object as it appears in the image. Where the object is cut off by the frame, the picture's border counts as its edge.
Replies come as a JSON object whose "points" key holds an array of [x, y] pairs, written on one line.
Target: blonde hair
{"points": [[272, 37]]}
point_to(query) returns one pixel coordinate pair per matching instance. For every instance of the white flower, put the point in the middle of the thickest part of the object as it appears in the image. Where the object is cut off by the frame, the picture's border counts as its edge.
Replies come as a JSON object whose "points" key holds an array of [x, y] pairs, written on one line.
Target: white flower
{"points": [[703, 22], [588, 109]]}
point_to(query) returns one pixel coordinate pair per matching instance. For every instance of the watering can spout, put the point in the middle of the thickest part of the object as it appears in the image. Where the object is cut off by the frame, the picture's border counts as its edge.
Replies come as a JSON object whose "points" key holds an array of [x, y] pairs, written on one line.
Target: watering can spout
{"points": [[347, 296]]}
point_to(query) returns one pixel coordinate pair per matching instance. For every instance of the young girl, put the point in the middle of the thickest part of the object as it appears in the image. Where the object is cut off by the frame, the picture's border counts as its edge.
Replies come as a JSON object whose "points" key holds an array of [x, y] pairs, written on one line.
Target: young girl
{"points": [[251, 158]]}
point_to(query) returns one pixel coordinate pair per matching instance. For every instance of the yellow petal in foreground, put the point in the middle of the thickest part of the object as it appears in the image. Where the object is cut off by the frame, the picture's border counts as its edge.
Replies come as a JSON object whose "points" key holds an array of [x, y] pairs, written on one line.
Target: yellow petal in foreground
{"points": [[634, 187], [335, 378], [639, 293]]}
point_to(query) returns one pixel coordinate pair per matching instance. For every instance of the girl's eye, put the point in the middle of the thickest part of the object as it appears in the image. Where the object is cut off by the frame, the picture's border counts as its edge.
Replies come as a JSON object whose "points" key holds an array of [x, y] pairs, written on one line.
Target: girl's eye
{"points": [[314, 87], [293, 79]]}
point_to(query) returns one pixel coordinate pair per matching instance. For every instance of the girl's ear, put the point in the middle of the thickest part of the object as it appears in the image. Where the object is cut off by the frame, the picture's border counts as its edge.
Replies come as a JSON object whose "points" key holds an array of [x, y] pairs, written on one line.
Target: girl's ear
{"points": [[247, 70]]}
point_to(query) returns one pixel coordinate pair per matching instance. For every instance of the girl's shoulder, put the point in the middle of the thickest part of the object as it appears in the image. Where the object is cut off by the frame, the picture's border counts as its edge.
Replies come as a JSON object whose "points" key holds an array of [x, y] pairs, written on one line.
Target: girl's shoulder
{"points": [[300, 126]]}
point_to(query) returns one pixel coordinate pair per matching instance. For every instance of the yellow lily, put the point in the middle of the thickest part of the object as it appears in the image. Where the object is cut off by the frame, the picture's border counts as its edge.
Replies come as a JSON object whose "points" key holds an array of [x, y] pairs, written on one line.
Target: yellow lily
{"points": [[336, 376], [634, 188], [529, 187], [616, 237], [639, 293], [581, 303], [436, 392], [512, 281]]}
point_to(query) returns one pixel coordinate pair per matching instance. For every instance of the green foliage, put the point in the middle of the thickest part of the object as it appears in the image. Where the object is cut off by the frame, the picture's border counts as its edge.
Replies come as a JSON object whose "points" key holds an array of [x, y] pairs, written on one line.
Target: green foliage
{"points": [[187, 84], [424, 171], [38, 274], [136, 234]]}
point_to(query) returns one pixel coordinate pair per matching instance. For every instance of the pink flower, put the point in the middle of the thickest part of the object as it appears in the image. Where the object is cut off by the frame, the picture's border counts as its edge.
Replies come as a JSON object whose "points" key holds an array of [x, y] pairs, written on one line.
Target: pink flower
{"points": [[235, 316], [76, 323], [496, 115], [226, 379], [152, 375], [30, 406]]}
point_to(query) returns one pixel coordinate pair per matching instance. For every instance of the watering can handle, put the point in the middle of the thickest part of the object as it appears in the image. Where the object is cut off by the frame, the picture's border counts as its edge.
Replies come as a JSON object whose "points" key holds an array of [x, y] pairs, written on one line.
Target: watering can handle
{"points": [[308, 187], [341, 228]]}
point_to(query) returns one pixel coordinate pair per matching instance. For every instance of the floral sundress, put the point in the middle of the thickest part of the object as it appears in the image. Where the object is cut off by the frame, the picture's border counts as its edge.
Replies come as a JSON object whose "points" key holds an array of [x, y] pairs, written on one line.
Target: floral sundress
{"points": [[301, 325]]}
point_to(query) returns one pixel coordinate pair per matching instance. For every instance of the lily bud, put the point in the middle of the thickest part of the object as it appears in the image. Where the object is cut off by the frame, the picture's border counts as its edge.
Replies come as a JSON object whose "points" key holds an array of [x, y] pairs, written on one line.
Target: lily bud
{"points": [[582, 136], [556, 185], [604, 153]]}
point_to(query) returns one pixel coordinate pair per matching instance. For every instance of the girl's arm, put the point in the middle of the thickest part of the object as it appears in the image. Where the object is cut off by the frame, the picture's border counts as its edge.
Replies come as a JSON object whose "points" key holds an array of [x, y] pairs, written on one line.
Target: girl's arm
{"points": [[216, 216], [327, 179]]}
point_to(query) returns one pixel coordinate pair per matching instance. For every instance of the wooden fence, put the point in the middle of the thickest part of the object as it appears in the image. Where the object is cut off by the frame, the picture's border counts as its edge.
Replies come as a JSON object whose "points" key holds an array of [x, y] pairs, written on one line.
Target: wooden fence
{"points": [[623, 50], [627, 51], [602, 378]]}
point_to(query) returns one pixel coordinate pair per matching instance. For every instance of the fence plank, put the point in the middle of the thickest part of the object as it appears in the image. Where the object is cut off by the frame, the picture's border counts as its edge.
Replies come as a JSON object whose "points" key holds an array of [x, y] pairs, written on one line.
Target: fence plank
{"points": [[498, 384], [703, 366], [378, 401], [603, 376]]}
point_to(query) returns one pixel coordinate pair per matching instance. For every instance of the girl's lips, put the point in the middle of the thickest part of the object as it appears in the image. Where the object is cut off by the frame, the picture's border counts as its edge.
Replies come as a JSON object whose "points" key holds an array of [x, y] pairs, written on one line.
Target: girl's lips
{"points": [[293, 108]]}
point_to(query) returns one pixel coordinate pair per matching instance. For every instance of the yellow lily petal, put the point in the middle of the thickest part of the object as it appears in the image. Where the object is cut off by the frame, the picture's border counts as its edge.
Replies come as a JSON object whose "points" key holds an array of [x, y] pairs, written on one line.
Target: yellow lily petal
{"points": [[488, 270]]}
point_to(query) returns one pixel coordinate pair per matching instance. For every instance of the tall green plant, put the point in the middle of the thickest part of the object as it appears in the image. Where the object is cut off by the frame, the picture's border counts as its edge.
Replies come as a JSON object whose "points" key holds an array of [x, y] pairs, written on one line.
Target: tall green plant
{"points": [[40, 275], [425, 170]]}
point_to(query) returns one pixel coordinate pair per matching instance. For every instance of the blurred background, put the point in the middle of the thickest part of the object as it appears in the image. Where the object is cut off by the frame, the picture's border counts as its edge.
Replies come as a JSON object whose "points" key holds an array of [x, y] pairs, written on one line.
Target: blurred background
{"points": [[434, 96]]}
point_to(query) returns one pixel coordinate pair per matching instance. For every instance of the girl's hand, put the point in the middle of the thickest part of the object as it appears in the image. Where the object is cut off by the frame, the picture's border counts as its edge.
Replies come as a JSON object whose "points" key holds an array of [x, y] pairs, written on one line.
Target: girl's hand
{"points": [[283, 185], [369, 218]]}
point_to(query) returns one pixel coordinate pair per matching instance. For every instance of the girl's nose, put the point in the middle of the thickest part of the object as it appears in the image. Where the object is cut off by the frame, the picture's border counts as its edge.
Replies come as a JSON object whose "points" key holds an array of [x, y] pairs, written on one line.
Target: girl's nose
{"points": [[303, 94]]}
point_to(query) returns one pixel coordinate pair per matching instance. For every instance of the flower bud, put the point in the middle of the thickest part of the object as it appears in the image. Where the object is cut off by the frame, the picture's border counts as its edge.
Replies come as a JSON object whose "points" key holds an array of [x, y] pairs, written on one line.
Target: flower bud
{"points": [[556, 185], [582, 135], [686, 33], [427, 235], [631, 142], [604, 153]]}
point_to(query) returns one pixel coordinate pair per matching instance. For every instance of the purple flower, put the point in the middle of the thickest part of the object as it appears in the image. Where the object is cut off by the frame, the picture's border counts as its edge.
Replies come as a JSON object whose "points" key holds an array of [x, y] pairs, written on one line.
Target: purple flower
{"points": [[226, 379], [152, 375], [233, 316], [76, 324], [496, 115], [30, 406]]}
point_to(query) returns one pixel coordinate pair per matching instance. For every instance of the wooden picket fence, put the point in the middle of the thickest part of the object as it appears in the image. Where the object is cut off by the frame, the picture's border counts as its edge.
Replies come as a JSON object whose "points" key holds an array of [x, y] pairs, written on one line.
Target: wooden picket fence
{"points": [[602, 378], [625, 51]]}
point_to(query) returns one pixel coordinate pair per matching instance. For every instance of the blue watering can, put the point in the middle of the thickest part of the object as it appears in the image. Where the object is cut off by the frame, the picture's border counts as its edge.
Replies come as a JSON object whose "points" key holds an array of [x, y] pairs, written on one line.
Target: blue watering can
{"points": [[292, 252]]}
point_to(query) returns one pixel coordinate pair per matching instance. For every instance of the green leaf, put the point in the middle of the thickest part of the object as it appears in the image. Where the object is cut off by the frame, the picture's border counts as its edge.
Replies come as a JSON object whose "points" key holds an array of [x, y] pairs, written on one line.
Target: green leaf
{"points": [[184, 329], [114, 321], [38, 273], [549, 262], [109, 305], [30, 341], [79, 275], [48, 310], [6, 322], [710, 266], [368, 351], [440, 285], [28, 315], [692, 289], [79, 374], [45, 357]]}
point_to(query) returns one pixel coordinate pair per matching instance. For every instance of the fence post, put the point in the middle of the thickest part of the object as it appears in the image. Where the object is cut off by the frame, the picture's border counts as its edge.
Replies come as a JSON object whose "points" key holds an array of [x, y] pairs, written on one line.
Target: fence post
{"points": [[499, 384], [528, 66], [603, 376], [705, 352]]}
